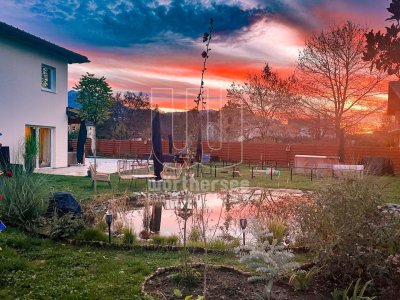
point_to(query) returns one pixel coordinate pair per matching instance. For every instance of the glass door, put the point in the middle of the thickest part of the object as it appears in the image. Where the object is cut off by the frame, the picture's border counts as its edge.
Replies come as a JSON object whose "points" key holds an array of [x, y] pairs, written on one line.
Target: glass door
{"points": [[38, 147], [44, 147]]}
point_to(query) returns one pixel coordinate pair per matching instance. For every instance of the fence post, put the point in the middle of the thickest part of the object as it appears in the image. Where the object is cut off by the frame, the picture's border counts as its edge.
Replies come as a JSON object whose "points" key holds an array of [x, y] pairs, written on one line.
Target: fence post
{"points": [[252, 172], [311, 174], [291, 174], [271, 171], [215, 171]]}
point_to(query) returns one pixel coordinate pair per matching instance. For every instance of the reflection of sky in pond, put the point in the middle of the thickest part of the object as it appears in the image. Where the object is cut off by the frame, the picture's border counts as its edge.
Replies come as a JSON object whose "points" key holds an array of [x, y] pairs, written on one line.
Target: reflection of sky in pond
{"points": [[223, 213]]}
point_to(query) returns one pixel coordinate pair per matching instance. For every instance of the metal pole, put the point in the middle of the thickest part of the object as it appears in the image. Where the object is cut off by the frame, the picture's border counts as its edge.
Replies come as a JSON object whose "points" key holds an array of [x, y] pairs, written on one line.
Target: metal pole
{"points": [[244, 238], [291, 174], [311, 173], [215, 171], [109, 234], [271, 171], [252, 172]]}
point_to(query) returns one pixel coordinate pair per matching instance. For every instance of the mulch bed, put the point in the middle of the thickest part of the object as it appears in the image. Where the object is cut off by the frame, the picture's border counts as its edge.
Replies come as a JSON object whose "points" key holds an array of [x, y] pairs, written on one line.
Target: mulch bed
{"points": [[222, 283]]}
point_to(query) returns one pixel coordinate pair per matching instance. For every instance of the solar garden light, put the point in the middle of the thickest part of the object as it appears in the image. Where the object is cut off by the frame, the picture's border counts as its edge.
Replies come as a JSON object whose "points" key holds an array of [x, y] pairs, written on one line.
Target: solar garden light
{"points": [[243, 225], [109, 218]]}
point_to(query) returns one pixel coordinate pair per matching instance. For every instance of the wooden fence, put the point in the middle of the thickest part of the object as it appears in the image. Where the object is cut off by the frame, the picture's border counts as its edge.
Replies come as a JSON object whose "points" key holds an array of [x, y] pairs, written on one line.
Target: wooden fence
{"points": [[281, 154]]}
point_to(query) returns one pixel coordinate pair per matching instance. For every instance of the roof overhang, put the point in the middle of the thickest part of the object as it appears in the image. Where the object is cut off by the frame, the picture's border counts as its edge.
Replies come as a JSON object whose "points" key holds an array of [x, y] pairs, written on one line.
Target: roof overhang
{"points": [[22, 37]]}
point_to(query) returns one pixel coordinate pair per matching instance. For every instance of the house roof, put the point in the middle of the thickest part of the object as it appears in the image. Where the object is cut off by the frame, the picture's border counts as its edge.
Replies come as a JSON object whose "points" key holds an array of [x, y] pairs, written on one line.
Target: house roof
{"points": [[394, 97], [22, 37]]}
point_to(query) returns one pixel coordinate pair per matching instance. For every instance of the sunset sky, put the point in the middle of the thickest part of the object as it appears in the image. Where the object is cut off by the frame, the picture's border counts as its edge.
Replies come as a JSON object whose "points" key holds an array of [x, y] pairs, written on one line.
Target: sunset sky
{"points": [[155, 46]]}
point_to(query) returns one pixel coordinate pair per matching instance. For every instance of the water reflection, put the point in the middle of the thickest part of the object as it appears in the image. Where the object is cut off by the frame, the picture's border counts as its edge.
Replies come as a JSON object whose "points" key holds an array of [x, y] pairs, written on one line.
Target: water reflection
{"points": [[221, 212]]}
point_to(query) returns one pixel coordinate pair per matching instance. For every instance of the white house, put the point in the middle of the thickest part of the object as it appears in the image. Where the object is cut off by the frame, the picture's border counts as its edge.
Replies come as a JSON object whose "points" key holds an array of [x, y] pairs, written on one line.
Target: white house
{"points": [[33, 95]]}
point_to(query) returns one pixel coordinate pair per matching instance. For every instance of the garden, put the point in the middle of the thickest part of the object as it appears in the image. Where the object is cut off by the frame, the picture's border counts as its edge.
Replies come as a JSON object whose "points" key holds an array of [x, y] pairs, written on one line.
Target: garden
{"points": [[339, 240]]}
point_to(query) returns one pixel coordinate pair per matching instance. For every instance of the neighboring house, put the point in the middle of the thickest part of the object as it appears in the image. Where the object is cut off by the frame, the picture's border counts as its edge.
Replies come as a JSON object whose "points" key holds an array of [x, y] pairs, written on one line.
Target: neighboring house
{"points": [[33, 95], [394, 109]]}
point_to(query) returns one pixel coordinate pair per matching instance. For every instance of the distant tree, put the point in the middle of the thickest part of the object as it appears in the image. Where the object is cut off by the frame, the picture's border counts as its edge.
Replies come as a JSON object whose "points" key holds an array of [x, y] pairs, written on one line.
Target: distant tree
{"points": [[94, 96], [383, 50], [129, 117], [337, 83], [264, 99]]}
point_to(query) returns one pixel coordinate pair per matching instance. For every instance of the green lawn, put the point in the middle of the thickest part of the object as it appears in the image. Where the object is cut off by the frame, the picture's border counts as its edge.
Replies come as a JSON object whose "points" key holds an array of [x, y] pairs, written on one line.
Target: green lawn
{"points": [[82, 189], [34, 268]]}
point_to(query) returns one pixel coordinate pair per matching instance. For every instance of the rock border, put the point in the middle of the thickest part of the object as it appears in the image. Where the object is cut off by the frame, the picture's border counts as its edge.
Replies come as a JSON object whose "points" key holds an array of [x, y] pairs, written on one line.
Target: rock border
{"points": [[155, 247], [160, 271]]}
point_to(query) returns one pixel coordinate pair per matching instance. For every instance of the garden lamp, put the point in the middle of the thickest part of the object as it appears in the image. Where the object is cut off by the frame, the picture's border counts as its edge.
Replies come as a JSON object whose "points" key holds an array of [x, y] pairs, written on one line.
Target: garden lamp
{"points": [[243, 225], [109, 219]]}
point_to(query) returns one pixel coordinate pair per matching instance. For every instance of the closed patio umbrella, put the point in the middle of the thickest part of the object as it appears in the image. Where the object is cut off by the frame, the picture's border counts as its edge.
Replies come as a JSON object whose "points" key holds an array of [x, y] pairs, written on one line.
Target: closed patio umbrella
{"points": [[80, 148], [170, 144], [157, 146]]}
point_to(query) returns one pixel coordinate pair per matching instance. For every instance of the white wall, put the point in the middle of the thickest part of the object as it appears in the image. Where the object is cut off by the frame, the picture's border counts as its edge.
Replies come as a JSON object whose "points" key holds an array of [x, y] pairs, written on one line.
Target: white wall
{"points": [[22, 102]]}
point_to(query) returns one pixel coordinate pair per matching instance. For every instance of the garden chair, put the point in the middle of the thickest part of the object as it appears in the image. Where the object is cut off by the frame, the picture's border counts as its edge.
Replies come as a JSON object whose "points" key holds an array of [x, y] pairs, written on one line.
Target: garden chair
{"points": [[102, 177], [124, 169]]}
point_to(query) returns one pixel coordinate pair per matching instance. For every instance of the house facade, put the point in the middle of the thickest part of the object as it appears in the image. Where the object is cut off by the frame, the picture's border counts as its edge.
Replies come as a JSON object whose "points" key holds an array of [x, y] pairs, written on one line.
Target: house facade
{"points": [[33, 96]]}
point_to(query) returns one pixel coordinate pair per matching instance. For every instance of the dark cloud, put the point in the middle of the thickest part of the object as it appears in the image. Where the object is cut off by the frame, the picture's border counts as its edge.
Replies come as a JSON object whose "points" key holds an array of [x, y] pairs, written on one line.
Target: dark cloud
{"points": [[128, 22], [132, 22]]}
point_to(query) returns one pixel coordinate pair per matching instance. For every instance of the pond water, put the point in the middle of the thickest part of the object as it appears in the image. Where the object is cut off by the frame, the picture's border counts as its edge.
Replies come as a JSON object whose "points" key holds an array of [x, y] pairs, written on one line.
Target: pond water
{"points": [[222, 211]]}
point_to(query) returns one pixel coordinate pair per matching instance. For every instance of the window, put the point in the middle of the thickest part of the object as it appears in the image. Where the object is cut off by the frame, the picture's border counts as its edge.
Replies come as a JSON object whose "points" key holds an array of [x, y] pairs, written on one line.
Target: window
{"points": [[48, 78]]}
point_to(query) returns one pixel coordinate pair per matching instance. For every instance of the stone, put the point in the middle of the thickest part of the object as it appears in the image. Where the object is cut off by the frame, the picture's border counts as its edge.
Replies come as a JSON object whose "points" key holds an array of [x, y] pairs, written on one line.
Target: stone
{"points": [[64, 203]]}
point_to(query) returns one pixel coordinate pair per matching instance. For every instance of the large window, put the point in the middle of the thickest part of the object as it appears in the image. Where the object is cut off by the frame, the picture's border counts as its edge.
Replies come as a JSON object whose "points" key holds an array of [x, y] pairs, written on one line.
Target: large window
{"points": [[48, 78]]}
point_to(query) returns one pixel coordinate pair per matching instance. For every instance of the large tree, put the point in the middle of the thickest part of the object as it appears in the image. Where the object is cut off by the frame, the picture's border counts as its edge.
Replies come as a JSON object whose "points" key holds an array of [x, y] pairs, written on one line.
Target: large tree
{"points": [[265, 98], [383, 50], [94, 96], [337, 83]]}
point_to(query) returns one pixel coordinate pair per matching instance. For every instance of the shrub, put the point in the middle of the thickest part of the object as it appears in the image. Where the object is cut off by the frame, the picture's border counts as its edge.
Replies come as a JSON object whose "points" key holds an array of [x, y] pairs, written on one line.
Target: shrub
{"points": [[92, 234], [349, 235], [65, 227], [25, 198], [129, 236]]}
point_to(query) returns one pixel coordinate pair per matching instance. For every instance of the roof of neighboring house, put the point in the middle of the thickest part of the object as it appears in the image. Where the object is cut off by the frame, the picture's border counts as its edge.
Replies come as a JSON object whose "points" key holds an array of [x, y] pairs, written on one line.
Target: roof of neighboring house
{"points": [[394, 97], [30, 40]]}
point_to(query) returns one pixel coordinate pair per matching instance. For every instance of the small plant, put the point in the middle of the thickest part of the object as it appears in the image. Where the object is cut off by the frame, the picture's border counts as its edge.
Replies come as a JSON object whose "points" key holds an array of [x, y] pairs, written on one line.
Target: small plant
{"points": [[187, 275], [301, 280], [92, 234], [195, 234], [269, 260], [65, 227], [102, 226], [278, 228], [179, 294], [30, 153], [358, 292], [129, 236]]}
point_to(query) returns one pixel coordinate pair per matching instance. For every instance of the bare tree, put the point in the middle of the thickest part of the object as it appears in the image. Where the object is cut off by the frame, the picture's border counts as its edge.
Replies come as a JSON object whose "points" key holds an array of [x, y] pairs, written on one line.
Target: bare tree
{"points": [[337, 83], [265, 98]]}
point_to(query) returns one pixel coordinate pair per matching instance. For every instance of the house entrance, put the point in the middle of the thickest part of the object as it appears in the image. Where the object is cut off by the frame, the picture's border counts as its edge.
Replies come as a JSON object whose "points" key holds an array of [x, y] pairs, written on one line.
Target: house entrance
{"points": [[38, 146]]}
